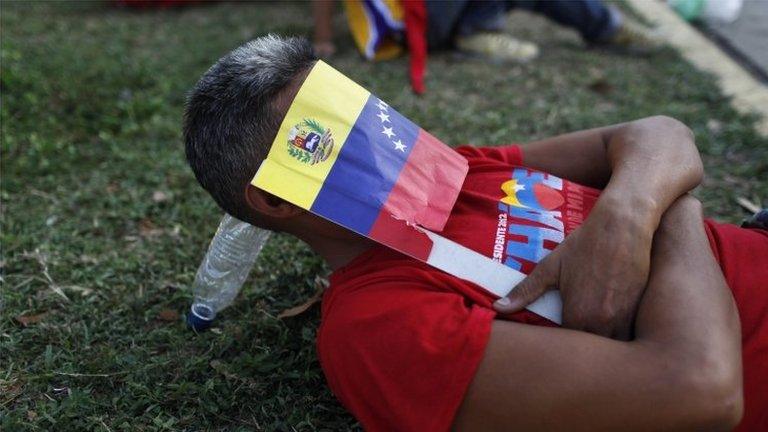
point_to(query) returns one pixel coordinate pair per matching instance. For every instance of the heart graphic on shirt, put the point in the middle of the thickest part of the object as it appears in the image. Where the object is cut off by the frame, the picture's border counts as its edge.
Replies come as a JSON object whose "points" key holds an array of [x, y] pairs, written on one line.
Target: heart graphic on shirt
{"points": [[541, 197], [547, 197]]}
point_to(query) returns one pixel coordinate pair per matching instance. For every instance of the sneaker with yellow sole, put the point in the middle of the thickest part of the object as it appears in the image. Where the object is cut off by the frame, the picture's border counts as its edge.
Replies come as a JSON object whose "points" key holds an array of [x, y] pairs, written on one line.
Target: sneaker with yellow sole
{"points": [[632, 38], [497, 47]]}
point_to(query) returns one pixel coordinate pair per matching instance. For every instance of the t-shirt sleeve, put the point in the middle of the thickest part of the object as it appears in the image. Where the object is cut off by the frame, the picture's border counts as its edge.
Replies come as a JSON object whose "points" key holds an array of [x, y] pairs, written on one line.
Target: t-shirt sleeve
{"points": [[400, 357], [509, 154]]}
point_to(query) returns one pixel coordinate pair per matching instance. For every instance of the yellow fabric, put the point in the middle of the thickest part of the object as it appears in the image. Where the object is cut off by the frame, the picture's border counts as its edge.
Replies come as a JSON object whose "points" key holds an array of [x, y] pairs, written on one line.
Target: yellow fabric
{"points": [[335, 102], [395, 8], [388, 50], [360, 25]]}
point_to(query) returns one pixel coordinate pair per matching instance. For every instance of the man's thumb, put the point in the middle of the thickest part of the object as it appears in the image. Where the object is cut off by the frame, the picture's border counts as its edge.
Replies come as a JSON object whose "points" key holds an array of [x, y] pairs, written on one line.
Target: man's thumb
{"points": [[532, 287]]}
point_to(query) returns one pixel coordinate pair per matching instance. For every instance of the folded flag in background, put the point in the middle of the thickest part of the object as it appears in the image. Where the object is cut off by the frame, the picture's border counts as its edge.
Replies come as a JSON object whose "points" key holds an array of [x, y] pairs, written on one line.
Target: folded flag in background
{"points": [[345, 155], [377, 26]]}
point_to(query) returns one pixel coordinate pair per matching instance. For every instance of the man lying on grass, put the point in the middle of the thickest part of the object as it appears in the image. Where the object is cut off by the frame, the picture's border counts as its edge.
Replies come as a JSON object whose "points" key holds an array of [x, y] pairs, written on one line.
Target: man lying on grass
{"points": [[651, 337]]}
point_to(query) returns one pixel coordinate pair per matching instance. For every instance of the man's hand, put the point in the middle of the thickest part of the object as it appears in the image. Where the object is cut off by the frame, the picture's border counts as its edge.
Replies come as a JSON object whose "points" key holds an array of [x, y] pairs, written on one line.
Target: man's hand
{"points": [[601, 270]]}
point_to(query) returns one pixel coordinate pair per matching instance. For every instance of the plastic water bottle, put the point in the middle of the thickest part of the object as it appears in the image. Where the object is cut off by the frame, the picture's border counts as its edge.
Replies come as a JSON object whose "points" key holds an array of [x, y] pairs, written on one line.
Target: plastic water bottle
{"points": [[224, 269]]}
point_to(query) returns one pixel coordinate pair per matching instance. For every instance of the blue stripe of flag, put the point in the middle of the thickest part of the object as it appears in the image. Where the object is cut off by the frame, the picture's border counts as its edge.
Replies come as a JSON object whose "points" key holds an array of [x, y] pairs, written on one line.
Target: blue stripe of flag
{"points": [[367, 168]]}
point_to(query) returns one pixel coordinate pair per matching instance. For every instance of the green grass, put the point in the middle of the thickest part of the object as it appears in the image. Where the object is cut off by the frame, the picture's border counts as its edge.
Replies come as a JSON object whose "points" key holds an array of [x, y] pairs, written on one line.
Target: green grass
{"points": [[98, 204]]}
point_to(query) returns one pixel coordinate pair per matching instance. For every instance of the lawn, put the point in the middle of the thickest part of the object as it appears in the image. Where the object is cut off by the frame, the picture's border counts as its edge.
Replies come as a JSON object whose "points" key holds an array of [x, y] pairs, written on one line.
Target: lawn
{"points": [[103, 225]]}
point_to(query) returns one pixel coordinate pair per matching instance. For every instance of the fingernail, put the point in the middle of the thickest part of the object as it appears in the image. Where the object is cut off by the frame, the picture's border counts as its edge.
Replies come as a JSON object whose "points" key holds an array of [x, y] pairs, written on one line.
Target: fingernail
{"points": [[503, 303]]}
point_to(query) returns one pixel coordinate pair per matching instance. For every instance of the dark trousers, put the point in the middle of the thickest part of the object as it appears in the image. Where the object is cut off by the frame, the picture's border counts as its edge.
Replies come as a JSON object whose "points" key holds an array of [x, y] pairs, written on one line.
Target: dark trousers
{"points": [[591, 18]]}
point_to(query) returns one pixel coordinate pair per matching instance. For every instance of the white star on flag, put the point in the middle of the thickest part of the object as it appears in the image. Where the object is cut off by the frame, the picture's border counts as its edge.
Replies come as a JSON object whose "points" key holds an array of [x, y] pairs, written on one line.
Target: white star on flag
{"points": [[382, 105], [388, 132], [399, 145], [519, 187], [383, 117]]}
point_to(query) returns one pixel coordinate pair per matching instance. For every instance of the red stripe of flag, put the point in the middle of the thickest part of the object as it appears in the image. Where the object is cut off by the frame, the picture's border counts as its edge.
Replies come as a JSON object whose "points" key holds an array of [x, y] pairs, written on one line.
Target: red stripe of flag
{"points": [[424, 194], [398, 235], [428, 184]]}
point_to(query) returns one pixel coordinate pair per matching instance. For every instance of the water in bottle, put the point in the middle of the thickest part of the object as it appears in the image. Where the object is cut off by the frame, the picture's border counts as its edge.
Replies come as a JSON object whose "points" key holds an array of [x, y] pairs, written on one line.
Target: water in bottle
{"points": [[224, 269]]}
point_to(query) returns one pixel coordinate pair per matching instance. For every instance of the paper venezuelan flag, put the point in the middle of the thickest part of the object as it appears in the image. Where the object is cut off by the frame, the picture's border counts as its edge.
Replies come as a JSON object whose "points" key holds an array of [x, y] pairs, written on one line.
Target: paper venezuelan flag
{"points": [[346, 155]]}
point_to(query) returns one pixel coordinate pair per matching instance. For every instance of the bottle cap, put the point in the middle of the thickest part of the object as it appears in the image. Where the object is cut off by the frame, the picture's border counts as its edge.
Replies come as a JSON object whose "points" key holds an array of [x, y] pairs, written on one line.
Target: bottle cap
{"points": [[200, 317]]}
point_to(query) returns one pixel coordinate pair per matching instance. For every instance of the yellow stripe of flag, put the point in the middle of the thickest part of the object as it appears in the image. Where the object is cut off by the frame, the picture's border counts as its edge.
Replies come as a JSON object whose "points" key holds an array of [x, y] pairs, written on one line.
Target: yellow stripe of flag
{"points": [[334, 101]]}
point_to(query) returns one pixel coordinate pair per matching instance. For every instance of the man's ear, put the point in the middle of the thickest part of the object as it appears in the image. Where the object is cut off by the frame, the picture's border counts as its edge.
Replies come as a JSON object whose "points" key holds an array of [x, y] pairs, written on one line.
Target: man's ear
{"points": [[269, 205]]}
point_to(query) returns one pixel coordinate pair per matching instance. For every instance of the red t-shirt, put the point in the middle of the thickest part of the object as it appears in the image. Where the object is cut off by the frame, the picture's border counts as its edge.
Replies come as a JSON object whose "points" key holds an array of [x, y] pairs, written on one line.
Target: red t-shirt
{"points": [[400, 341]]}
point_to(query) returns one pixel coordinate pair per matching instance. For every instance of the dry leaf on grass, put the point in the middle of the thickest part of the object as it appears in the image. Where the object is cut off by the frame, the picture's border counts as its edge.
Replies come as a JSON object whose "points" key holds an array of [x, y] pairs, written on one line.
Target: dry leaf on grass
{"points": [[300, 309], [9, 390], [168, 315], [27, 320], [321, 284], [601, 87], [147, 228]]}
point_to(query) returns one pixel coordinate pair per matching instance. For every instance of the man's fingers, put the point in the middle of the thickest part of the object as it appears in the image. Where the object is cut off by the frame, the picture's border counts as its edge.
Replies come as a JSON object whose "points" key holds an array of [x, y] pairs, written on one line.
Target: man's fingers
{"points": [[543, 277]]}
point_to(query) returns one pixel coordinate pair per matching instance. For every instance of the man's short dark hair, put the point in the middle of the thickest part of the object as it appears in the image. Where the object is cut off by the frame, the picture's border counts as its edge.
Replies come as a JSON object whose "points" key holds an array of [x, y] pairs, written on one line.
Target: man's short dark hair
{"points": [[231, 120]]}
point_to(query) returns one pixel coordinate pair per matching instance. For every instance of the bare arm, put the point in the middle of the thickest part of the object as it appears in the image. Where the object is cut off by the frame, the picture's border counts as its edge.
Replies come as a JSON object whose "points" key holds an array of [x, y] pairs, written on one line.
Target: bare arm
{"points": [[322, 13], [682, 372], [648, 162], [602, 268]]}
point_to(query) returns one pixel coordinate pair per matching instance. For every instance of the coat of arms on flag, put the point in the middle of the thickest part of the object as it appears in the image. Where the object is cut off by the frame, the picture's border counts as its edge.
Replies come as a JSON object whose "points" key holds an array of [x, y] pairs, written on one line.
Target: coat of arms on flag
{"points": [[309, 142]]}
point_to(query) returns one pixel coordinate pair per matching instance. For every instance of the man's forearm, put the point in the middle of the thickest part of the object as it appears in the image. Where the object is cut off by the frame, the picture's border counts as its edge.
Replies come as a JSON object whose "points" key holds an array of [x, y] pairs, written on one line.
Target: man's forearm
{"points": [[643, 165], [652, 162], [689, 317], [322, 11]]}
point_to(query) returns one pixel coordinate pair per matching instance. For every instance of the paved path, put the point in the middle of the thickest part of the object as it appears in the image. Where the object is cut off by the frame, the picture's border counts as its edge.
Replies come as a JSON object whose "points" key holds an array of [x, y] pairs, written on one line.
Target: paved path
{"points": [[749, 34]]}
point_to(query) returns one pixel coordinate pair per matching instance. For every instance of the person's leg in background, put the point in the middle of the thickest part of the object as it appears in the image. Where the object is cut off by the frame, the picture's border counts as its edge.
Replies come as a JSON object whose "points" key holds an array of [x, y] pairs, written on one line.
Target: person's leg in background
{"points": [[475, 28], [593, 20], [597, 23], [442, 19]]}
